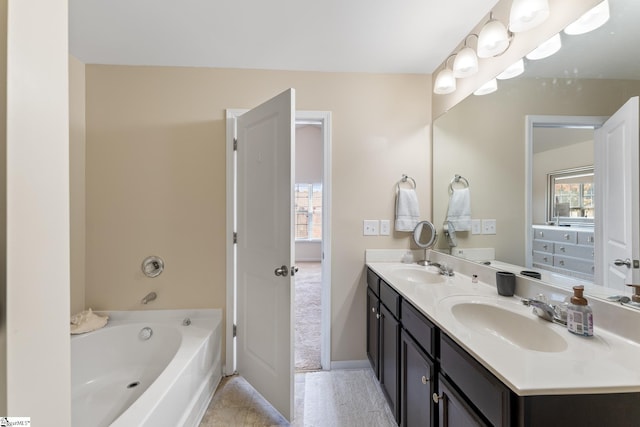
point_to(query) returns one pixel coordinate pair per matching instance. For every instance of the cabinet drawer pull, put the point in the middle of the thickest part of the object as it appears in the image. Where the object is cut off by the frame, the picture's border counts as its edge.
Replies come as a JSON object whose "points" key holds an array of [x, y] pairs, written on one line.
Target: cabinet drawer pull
{"points": [[377, 316], [437, 398], [373, 309], [545, 247], [545, 259], [562, 249], [425, 380], [541, 233], [561, 262], [566, 236]]}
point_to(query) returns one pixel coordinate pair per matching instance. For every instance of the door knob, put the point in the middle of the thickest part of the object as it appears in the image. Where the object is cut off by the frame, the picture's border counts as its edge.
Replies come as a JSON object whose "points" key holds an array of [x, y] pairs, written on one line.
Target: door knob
{"points": [[620, 262], [282, 271]]}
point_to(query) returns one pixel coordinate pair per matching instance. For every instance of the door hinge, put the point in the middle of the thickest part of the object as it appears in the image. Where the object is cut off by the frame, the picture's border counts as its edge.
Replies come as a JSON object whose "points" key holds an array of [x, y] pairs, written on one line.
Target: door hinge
{"points": [[235, 144], [235, 330], [235, 237]]}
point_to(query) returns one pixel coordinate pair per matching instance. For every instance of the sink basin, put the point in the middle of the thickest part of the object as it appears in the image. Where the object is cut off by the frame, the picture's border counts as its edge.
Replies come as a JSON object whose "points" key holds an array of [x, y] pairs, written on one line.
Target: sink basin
{"points": [[417, 274], [514, 328]]}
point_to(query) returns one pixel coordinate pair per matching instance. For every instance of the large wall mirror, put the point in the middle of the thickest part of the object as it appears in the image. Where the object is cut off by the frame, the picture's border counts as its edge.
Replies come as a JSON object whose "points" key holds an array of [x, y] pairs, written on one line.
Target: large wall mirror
{"points": [[511, 145]]}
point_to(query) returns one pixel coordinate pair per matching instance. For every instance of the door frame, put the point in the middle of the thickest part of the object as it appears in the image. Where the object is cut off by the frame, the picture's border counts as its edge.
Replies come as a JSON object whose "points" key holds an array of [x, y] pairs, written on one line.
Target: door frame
{"points": [[535, 121], [324, 118]]}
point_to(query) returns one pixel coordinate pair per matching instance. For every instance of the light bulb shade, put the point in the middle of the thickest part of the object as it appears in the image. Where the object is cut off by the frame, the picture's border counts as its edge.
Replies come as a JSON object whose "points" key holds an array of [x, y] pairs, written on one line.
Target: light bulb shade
{"points": [[527, 14], [546, 49], [594, 18], [445, 82], [493, 39], [512, 71], [487, 88], [466, 63]]}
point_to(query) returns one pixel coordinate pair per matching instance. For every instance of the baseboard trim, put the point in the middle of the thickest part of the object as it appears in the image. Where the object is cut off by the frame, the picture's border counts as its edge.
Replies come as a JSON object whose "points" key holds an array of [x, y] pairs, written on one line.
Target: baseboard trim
{"points": [[350, 364]]}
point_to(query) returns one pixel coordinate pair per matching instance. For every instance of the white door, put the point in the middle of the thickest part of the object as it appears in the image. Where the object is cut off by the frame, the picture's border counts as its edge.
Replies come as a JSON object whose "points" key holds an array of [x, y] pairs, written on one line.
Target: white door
{"points": [[265, 167], [616, 195]]}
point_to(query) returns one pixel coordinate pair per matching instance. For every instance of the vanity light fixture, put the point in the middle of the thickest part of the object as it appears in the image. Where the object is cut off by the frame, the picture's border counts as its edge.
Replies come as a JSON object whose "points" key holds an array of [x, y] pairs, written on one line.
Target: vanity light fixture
{"points": [[546, 49], [494, 38], [487, 88], [445, 80], [527, 14], [512, 71], [592, 19], [466, 62]]}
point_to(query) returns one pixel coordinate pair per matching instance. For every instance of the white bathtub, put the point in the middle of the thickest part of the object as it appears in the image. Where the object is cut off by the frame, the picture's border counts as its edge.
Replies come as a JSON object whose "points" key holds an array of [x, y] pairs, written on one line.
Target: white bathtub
{"points": [[120, 379]]}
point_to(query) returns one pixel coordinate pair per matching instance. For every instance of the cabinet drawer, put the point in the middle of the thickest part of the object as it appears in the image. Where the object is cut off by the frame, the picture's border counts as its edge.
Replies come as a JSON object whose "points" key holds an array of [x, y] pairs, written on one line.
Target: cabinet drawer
{"points": [[576, 251], [559, 235], [586, 238], [542, 258], [574, 264], [543, 246], [419, 327], [390, 298], [373, 281], [488, 394]]}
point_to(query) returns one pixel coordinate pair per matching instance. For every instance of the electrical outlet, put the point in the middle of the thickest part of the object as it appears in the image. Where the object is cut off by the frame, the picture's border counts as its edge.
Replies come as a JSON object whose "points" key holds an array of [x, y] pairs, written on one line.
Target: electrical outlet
{"points": [[476, 226], [371, 227], [385, 227], [488, 226]]}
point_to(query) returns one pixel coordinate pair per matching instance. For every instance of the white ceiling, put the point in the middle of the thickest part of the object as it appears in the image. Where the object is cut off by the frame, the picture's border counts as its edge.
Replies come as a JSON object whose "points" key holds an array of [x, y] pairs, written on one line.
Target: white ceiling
{"points": [[377, 36]]}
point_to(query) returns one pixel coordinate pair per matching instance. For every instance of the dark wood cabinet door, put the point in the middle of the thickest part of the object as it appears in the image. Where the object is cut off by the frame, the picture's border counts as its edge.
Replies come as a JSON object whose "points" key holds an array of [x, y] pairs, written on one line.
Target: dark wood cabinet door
{"points": [[389, 359], [417, 379], [453, 410], [373, 331]]}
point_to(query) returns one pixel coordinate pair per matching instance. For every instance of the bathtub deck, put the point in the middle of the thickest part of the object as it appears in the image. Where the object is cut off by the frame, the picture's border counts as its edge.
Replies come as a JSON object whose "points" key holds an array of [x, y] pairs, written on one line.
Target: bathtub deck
{"points": [[332, 398]]}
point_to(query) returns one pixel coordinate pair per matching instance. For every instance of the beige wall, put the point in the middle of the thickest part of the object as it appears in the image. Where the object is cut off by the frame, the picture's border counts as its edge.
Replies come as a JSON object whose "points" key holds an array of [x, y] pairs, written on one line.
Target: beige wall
{"points": [[3, 206], [482, 139], [38, 345], [77, 130], [156, 178]]}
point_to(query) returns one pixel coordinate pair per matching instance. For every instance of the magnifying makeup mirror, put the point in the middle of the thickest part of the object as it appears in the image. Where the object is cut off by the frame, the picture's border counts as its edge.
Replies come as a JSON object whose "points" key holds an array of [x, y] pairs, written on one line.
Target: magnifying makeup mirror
{"points": [[425, 236]]}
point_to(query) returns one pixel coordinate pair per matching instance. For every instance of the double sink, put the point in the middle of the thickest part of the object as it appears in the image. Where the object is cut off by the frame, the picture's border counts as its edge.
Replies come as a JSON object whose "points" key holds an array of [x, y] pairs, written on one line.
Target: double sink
{"points": [[530, 355], [496, 318]]}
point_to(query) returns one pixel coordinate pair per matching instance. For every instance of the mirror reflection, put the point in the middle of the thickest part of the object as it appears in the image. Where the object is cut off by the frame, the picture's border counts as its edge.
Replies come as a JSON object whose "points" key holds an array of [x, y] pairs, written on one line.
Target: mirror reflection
{"points": [[518, 169]]}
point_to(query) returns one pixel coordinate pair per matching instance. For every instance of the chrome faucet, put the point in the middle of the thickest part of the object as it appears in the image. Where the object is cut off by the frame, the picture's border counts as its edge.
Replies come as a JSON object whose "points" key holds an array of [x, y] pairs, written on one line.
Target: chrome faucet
{"points": [[444, 269], [548, 312], [149, 297]]}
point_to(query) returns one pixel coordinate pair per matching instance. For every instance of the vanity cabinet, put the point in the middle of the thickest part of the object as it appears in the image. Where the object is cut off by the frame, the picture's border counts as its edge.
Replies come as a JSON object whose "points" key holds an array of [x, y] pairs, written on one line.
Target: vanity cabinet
{"points": [[418, 345], [430, 380], [383, 338], [454, 410], [564, 250]]}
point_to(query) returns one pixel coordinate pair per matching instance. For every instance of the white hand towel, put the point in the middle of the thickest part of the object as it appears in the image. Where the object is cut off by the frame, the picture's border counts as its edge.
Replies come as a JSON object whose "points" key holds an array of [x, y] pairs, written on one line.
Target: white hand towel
{"points": [[459, 212], [407, 210]]}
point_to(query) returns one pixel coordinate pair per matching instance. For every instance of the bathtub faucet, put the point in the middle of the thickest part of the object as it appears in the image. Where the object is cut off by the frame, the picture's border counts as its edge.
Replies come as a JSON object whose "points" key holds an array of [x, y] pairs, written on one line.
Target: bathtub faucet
{"points": [[149, 297]]}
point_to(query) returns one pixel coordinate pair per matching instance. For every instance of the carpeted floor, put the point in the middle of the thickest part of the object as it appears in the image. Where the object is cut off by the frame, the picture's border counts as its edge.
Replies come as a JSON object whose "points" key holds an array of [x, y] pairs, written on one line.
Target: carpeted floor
{"points": [[307, 316]]}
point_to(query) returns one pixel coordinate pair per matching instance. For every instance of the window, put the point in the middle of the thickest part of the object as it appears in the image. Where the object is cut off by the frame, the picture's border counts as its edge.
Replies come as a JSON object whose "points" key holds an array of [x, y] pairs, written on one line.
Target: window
{"points": [[308, 211], [570, 196]]}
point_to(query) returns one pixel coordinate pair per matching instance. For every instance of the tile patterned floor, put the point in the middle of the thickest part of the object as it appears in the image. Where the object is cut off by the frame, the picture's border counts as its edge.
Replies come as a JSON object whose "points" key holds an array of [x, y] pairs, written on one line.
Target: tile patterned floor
{"points": [[323, 399]]}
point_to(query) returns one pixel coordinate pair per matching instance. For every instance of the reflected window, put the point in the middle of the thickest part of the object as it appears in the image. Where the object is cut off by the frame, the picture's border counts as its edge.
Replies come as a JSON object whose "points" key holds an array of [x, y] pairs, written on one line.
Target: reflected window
{"points": [[308, 211], [570, 197]]}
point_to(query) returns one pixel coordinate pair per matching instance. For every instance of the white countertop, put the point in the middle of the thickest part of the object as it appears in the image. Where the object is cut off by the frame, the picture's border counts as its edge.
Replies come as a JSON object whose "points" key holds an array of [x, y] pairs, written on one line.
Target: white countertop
{"points": [[604, 363]]}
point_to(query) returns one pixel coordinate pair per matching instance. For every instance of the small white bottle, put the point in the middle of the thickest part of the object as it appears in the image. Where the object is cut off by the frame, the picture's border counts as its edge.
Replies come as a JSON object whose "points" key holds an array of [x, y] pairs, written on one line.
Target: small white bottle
{"points": [[579, 314]]}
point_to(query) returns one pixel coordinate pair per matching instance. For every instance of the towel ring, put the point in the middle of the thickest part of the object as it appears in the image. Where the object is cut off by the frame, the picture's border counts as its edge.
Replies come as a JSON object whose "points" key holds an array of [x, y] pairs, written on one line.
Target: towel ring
{"points": [[458, 179], [404, 179]]}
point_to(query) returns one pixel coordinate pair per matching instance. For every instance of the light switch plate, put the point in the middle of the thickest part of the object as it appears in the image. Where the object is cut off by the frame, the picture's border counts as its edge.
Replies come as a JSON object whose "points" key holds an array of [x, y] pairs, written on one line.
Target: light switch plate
{"points": [[476, 226], [488, 226], [385, 227], [371, 227]]}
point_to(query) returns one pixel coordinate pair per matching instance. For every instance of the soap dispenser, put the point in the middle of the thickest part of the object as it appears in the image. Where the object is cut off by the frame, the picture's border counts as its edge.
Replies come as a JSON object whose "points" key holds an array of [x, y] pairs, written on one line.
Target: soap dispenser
{"points": [[579, 314]]}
